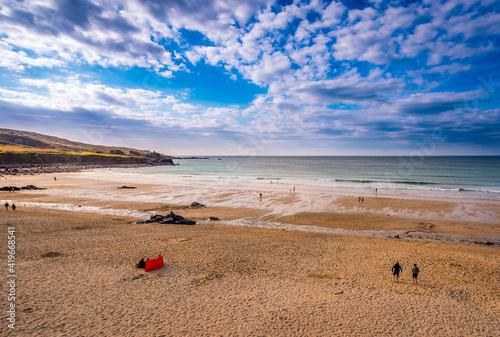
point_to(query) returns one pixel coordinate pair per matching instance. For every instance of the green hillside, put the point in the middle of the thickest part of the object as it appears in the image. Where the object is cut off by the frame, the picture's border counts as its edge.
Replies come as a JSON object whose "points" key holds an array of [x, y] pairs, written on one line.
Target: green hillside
{"points": [[24, 147]]}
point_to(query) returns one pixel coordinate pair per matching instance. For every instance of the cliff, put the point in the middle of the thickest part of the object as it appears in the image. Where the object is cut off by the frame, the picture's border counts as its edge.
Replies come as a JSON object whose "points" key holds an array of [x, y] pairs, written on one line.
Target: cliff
{"points": [[19, 148]]}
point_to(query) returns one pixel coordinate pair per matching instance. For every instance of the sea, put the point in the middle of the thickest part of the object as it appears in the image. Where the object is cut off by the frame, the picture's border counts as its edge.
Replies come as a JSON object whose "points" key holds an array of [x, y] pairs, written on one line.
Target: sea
{"points": [[435, 176]]}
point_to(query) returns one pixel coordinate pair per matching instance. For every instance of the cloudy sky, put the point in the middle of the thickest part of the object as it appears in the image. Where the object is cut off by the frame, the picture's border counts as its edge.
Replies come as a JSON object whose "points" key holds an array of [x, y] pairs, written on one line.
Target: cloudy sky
{"points": [[256, 77]]}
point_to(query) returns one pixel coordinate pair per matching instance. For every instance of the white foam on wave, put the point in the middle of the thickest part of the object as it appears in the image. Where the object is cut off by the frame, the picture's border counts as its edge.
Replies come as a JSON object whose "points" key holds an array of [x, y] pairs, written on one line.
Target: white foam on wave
{"points": [[277, 198], [392, 188]]}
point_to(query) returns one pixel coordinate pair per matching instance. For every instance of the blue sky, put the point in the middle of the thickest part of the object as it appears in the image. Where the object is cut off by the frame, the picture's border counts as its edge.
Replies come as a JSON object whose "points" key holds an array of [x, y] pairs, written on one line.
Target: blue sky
{"points": [[220, 77]]}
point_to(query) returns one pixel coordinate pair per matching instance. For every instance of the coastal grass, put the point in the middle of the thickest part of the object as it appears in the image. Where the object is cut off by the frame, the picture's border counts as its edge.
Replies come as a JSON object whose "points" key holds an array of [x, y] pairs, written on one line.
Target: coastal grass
{"points": [[28, 149]]}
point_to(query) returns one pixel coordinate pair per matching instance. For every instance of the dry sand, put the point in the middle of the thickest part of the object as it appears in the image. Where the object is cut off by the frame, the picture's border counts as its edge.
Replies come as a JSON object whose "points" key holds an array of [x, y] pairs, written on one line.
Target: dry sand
{"points": [[76, 276]]}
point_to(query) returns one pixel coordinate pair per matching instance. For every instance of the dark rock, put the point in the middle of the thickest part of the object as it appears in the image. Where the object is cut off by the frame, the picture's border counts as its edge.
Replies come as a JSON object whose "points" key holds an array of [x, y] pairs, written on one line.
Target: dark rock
{"points": [[32, 187], [484, 243], [397, 237], [29, 187], [166, 161], [168, 219], [176, 220], [9, 188], [214, 218], [197, 205], [190, 158], [156, 217], [129, 187]]}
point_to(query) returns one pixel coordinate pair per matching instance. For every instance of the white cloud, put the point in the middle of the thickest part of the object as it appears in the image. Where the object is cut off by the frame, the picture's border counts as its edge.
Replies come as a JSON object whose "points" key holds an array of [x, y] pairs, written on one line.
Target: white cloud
{"points": [[19, 60], [305, 66]]}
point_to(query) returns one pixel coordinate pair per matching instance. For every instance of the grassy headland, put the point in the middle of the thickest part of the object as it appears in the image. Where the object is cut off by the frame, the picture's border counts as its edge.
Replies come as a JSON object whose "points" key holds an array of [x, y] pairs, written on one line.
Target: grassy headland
{"points": [[22, 149]]}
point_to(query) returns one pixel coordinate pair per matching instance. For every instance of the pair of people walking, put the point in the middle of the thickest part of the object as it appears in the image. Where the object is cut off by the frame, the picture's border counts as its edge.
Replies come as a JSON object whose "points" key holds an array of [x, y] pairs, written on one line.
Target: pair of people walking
{"points": [[7, 206], [396, 269]]}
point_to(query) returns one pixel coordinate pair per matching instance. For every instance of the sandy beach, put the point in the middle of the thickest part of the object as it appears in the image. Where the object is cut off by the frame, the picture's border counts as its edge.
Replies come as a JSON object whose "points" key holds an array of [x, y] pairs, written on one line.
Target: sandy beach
{"points": [[314, 263]]}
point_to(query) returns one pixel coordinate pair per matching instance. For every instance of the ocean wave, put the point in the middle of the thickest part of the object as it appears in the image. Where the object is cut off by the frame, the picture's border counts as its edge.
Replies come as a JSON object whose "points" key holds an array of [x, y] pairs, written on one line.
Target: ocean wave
{"points": [[473, 190], [357, 181], [360, 181], [414, 182]]}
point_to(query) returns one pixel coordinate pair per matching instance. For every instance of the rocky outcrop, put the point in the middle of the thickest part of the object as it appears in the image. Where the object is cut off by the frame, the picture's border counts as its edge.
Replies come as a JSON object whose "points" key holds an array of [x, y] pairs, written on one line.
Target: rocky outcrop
{"points": [[197, 205], [168, 219], [15, 188], [23, 152], [31, 169], [190, 158], [13, 158]]}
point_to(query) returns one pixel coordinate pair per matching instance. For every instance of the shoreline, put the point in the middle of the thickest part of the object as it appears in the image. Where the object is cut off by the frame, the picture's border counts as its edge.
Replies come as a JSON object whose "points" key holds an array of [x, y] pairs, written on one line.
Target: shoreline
{"points": [[396, 217], [421, 232]]}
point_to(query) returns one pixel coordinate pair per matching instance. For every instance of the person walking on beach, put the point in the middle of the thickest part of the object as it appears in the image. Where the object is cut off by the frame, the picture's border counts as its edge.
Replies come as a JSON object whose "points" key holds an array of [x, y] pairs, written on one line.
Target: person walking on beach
{"points": [[396, 269], [261, 197], [13, 206], [415, 272], [6, 206], [362, 200]]}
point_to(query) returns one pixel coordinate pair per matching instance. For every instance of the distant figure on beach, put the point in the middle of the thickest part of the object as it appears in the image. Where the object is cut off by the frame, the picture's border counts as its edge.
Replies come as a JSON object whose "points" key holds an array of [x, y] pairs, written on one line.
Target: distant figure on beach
{"points": [[261, 197], [376, 191], [141, 264], [359, 199], [362, 200], [396, 269], [12, 189], [55, 178], [6, 206], [13, 206], [415, 272]]}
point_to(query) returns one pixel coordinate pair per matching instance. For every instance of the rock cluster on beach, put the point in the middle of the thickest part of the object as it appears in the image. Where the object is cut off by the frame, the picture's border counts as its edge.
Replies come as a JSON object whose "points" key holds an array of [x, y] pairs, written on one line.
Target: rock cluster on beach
{"points": [[15, 188], [171, 218]]}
